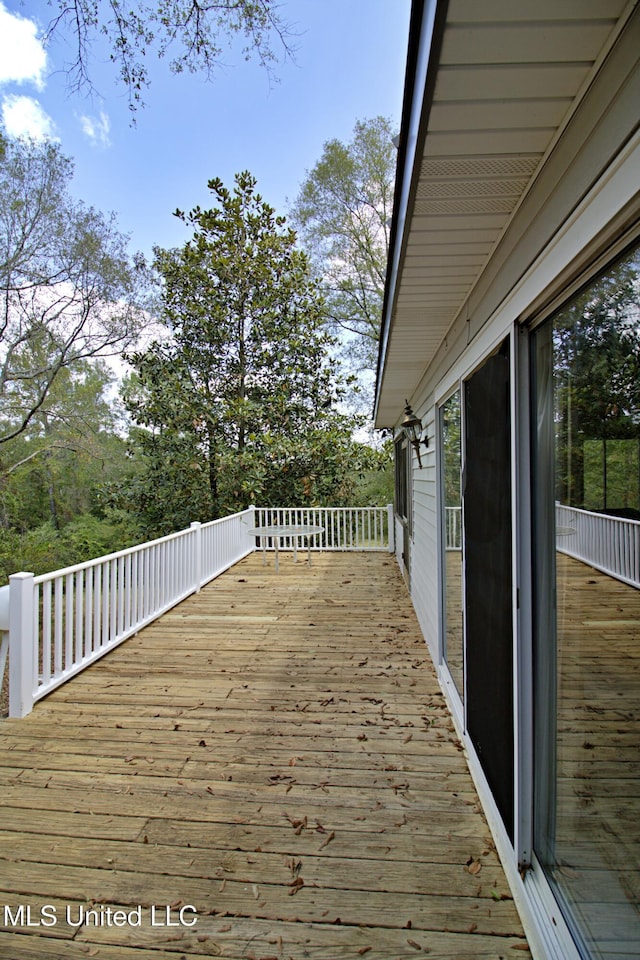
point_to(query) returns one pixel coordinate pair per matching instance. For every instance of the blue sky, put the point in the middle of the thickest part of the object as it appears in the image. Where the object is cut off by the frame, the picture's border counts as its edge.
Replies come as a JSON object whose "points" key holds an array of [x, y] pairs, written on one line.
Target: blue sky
{"points": [[349, 65]]}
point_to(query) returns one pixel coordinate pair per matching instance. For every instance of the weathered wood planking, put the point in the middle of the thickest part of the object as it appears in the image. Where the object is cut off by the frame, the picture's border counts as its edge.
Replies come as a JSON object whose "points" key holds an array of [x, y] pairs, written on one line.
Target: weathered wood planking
{"points": [[275, 752], [598, 751]]}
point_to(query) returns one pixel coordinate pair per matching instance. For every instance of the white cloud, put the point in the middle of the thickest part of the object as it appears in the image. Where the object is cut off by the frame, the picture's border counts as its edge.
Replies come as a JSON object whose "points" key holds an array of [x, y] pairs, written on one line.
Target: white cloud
{"points": [[97, 129], [23, 58], [24, 117]]}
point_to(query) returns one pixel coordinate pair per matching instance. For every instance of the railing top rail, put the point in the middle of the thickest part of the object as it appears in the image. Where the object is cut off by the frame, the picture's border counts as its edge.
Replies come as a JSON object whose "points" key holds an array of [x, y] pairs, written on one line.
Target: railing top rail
{"points": [[214, 523], [128, 551], [86, 564], [595, 513], [331, 509]]}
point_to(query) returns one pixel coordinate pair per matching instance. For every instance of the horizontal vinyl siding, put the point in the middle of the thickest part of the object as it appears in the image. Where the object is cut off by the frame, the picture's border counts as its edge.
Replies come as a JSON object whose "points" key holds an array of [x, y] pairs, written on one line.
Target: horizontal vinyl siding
{"points": [[600, 128], [424, 558]]}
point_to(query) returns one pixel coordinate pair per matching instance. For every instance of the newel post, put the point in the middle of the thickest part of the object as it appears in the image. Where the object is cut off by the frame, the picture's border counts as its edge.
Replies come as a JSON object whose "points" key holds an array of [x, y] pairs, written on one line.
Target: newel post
{"points": [[196, 526], [21, 644], [391, 526]]}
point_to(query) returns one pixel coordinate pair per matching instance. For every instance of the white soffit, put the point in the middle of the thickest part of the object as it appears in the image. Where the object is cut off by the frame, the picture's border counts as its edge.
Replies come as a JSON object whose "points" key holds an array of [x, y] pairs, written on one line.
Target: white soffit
{"points": [[508, 76]]}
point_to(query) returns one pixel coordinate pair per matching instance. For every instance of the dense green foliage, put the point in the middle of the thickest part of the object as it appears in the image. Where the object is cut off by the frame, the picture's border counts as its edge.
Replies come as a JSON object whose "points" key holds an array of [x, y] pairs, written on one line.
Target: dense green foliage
{"points": [[238, 402], [46, 548], [596, 344], [69, 296]]}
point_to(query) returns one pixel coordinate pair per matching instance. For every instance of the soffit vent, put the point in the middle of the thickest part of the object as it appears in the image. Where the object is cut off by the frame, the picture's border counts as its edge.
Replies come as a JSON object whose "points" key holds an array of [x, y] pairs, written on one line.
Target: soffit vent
{"points": [[440, 189], [449, 168], [465, 205]]}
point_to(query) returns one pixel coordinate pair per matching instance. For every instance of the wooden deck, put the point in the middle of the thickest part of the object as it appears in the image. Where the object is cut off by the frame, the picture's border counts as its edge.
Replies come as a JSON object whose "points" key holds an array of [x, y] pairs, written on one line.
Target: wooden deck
{"points": [[597, 842], [274, 753]]}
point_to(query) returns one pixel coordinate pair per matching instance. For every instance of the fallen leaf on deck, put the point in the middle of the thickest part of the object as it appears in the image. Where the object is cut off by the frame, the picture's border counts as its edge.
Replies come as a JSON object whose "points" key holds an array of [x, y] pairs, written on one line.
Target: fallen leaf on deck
{"points": [[298, 825], [326, 842]]}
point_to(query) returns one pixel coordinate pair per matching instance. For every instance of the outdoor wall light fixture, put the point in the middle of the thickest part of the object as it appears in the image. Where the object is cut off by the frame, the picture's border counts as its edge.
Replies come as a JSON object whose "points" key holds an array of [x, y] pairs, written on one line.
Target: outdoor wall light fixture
{"points": [[411, 426]]}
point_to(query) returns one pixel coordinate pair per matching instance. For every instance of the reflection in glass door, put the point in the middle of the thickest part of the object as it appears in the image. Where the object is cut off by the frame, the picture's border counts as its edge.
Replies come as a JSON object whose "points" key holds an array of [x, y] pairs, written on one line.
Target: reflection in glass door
{"points": [[450, 433], [587, 609]]}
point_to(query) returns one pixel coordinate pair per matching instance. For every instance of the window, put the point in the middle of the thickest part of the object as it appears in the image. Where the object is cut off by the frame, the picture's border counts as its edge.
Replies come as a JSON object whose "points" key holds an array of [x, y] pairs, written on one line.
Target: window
{"points": [[403, 474], [403, 497]]}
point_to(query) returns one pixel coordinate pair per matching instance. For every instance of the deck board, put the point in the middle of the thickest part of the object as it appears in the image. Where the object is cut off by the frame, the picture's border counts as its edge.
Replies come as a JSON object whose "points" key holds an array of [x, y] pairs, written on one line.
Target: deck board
{"points": [[275, 752]]}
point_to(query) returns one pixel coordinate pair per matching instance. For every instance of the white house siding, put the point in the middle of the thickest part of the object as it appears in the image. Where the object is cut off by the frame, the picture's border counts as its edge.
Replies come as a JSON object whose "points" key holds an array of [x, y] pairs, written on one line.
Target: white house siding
{"points": [[399, 541], [518, 274], [582, 206], [424, 549]]}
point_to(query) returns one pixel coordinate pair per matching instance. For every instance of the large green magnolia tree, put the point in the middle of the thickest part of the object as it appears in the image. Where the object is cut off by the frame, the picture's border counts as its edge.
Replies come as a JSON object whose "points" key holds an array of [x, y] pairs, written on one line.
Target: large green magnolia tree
{"points": [[343, 215], [237, 403]]}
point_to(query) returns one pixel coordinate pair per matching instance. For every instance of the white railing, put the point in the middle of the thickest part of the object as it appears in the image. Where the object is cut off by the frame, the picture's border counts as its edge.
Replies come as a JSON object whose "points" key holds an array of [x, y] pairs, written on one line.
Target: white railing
{"points": [[610, 544], [345, 528], [453, 528], [61, 622]]}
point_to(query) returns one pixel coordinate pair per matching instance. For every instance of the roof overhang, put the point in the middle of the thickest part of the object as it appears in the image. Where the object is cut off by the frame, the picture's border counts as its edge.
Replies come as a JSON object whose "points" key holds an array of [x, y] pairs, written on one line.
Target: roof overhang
{"points": [[489, 87]]}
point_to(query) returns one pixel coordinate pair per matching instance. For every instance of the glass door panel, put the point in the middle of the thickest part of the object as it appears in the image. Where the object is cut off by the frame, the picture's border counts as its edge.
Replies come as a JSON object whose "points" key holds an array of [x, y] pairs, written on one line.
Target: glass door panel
{"points": [[450, 434], [587, 609]]}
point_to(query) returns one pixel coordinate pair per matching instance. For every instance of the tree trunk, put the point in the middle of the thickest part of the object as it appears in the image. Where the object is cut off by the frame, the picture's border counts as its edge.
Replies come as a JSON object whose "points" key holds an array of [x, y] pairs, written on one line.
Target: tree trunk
{"points": [[213, 477]]}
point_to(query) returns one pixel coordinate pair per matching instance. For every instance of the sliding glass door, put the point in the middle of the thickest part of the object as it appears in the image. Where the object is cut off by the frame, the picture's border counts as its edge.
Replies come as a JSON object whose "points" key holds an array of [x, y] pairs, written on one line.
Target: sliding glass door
{"points": [[451, 467], [477, 600], [586, 500], [487, 509]]}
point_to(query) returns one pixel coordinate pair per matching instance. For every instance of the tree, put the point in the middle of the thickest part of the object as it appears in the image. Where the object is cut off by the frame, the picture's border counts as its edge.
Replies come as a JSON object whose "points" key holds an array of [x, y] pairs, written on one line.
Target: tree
{"points": [[192, 33], [237, 404], [68, 289], [596, 342], [51, 472], [342, 214]]}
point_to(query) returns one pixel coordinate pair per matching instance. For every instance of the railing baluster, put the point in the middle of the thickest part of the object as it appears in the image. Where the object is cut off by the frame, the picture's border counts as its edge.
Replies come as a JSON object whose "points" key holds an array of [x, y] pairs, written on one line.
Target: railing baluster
{"points": [[68, 620], [97, 606], [57, 625], [88, 612], [79, 626], [106, 605], [46, 632]]}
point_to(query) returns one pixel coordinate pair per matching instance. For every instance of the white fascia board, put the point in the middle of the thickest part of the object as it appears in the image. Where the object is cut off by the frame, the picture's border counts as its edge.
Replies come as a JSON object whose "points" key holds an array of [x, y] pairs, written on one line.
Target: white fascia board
{"points": [[412, 159]]}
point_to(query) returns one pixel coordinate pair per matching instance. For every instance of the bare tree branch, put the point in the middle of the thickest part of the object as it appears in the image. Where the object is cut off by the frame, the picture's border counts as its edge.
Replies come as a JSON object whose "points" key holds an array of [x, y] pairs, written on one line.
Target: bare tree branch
{"points": [[68, 289]]}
